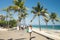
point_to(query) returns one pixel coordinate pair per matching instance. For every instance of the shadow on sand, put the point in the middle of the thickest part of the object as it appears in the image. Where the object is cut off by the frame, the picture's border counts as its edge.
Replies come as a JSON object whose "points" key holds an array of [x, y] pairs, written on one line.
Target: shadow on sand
{"points": [[10, 39], [31, 38], [1, 39], [21, 39]]}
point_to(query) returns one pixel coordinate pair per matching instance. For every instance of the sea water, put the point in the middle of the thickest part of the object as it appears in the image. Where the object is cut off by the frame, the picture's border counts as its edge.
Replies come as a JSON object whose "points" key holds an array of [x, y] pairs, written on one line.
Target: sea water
{"points": [[56, 27]]}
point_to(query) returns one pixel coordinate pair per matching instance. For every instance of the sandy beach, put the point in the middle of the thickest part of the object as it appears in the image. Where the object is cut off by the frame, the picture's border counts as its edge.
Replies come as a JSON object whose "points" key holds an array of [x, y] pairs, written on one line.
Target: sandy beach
{"points": [[3, 29], [6, 34], [55, 34], [19, 35]]}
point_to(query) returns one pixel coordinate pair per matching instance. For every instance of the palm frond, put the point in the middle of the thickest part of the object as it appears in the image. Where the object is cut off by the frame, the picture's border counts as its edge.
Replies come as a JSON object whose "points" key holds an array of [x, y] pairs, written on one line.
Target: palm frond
{"points": [[16, 2], [15, 8], [53, 15], [57, 19], [25, 14], [46, 19], [41, 8], [38, 6], [21, 5], [5, 9], [44, 11], [33, 12]]}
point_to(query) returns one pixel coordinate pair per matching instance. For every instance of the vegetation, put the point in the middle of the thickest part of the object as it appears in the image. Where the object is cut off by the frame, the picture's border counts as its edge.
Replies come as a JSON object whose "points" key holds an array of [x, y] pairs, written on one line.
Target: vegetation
{"points": [[3, 23], [19, 7], [2, 17], [12, 23], [8, 15]]}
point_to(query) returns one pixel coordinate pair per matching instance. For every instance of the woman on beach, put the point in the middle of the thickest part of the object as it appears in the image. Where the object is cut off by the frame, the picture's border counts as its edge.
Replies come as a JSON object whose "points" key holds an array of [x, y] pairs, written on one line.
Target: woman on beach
{"points": [[30, 30]]}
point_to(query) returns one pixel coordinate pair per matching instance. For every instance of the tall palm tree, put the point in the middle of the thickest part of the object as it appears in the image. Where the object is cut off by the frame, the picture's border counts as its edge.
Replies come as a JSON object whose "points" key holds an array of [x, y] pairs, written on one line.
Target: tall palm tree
{"points": [[20, 4], [25, 13], [53, 18], [37, 12], [19, 7]]}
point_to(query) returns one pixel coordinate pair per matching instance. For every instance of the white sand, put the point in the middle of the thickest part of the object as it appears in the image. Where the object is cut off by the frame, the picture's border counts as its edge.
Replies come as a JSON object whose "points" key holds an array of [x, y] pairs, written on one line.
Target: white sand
{"points": [[3, 29], [19, 35], [5, 34], [55, 34]]}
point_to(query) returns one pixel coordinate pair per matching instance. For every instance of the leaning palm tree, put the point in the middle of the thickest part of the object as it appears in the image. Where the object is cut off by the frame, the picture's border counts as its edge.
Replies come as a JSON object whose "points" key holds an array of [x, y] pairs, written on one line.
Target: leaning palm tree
{"points": [[46, 21], [53, 18], [45, 15], [37, 12], [23, 15]]}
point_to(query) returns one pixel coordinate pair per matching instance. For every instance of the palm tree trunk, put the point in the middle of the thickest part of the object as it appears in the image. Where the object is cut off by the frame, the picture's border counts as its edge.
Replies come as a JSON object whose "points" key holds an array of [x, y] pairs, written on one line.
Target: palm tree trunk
{"points": [[24, 22], [18, 21], [53, 23], [39, 22], [19, 15], [33, 18], [8, 19], [8, 24], [46, 25], [17, 24]]}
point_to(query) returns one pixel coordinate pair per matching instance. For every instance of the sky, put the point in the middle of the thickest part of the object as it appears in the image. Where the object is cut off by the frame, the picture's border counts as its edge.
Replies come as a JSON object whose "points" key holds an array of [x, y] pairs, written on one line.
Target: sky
{"points": [[51, 5]]}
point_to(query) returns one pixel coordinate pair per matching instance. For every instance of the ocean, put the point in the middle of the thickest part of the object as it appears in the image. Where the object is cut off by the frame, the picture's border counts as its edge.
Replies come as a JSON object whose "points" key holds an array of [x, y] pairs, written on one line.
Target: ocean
{"points": [[56, 27]]}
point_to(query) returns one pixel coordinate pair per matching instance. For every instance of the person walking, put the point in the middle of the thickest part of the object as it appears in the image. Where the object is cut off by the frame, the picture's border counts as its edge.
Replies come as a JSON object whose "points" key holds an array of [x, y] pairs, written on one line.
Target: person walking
{"points": [[30, 31]]}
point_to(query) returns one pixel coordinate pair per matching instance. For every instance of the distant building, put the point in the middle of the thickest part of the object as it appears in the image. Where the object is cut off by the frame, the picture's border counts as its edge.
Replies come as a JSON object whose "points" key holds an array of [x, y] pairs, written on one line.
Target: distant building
{"points": [[2, 17]]}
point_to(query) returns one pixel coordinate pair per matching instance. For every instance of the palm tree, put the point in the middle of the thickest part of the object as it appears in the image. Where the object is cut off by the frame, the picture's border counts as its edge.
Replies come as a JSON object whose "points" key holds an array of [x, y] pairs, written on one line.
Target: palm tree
{"points": [[37, 12], [53, 18], [45, 16], [23, 16], [20, 4], [19, 7], [46, 21], [7, 15]]}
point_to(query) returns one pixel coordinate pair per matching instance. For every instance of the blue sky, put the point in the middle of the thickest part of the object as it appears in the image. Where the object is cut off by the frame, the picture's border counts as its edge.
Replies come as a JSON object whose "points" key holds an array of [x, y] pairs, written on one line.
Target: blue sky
{"points": [[51, 5]]}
